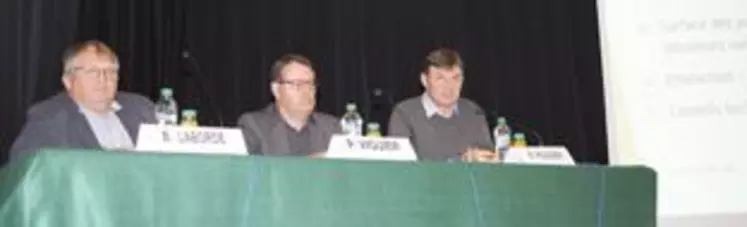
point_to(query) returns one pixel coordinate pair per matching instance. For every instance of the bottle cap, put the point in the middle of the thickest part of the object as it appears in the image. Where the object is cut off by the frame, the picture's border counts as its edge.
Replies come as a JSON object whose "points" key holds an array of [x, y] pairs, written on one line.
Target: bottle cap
{"points": [[189, 112], [501, 120], [167, 92], [350, 106]]}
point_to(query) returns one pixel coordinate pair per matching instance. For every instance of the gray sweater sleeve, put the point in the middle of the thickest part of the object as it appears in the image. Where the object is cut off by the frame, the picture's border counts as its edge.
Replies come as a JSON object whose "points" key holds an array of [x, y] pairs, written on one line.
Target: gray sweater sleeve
{"points": [[398, 124], [483, 139]]}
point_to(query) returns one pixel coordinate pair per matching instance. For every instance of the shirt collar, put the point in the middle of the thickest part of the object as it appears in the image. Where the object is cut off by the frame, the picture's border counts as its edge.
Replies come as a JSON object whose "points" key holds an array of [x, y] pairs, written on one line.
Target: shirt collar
{"points": [[276, 114], [115, 106], [430, 107]]}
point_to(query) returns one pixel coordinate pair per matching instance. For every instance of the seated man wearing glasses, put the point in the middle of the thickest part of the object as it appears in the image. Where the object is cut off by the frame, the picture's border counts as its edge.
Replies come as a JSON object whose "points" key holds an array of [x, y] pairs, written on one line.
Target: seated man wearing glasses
{"points": [[91, 113], [290, 126]]}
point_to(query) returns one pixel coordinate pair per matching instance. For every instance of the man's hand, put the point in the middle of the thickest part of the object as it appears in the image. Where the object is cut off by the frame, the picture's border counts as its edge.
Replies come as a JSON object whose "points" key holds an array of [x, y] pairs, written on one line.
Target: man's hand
{"points": [[480, 155]]}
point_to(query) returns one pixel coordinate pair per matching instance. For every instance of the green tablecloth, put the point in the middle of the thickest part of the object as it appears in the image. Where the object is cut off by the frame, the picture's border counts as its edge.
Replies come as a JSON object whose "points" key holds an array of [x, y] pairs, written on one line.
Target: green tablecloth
{"points": [[104, 189]]}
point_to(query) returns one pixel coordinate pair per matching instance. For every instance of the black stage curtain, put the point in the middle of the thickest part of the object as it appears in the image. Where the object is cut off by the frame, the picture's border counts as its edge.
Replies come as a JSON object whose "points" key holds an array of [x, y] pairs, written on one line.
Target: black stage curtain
{"points": [[533, 61]]}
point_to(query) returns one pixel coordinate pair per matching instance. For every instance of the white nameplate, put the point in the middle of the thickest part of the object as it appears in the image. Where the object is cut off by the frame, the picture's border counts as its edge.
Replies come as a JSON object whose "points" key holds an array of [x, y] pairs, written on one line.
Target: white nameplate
{"points": [[202, 140], [371, 148], [541, 155]]}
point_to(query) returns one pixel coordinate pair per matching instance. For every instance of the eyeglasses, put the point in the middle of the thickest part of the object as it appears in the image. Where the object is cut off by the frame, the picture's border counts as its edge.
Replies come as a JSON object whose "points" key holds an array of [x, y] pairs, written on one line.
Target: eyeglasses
{"points": [[297, 84], [93, 71]]}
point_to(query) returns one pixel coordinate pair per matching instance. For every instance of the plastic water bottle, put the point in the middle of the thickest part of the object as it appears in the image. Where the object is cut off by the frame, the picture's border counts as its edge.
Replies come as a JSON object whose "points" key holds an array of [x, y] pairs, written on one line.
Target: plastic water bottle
{"points": [[189, 118], [167, 111], [373, 130], [502, 135], [351, 122]]}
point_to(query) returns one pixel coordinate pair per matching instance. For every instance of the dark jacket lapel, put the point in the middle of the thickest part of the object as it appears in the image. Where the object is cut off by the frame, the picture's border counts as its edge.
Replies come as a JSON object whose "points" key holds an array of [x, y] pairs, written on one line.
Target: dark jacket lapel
{"points": [[131, 122], [79, 132], [320, 134], [277, 142]]}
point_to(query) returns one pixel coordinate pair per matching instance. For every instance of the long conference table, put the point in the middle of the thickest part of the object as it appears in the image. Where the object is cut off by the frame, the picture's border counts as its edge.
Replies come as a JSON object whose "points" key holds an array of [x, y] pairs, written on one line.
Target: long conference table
{"points": [[85, 188]]}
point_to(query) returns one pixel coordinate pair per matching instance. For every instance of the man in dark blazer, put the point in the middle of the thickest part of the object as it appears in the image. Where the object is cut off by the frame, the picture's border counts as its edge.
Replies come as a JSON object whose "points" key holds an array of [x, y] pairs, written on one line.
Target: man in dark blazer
{"points": [[91, 113], [290, 126]]}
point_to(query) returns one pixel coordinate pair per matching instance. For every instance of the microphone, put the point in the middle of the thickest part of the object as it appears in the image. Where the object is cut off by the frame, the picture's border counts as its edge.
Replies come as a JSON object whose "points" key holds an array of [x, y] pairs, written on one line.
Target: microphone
{"points": [[534, 133], [382, 98], [193, 68], [381, 105]]}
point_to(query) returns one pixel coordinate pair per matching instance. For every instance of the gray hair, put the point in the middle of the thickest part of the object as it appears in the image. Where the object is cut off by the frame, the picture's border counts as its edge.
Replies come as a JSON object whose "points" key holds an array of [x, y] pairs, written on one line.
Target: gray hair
{"points": [[97, 46]]}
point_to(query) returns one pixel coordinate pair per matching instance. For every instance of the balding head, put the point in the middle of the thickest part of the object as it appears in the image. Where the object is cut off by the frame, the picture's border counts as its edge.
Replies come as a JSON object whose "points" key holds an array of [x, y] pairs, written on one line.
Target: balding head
{"points": [[91, 73]]}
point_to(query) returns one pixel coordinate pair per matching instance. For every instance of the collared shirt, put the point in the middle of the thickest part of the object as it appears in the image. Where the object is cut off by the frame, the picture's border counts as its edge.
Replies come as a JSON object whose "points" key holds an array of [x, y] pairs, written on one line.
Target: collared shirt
{"points": [[431, 109], [109, 130], [299, 142]]}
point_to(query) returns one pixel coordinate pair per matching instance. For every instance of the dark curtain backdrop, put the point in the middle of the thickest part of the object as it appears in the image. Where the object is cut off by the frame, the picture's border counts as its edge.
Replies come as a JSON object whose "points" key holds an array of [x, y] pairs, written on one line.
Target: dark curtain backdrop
{"points": [[32, 34], [533, 61]]}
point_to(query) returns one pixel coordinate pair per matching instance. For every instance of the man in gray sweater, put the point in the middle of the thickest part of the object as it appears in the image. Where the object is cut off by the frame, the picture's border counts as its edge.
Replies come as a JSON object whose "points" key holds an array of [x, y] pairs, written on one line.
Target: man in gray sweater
{"points": [[440, 124]]}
